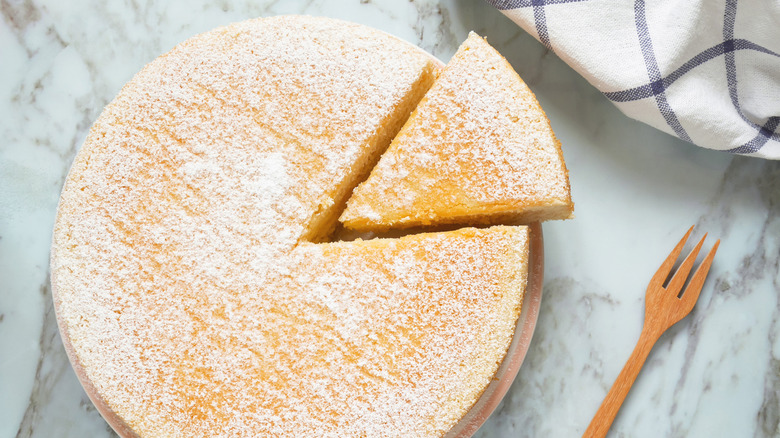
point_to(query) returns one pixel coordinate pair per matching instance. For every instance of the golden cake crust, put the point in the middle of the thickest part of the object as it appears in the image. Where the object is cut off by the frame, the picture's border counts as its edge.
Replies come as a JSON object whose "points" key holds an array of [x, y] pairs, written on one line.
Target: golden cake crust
{"points": [[477, 149], [190, 296]]}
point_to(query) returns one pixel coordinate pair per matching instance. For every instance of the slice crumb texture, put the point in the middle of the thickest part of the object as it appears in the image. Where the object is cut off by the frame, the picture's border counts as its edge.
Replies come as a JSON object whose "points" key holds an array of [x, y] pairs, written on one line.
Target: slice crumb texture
{"points": [[477, 149]]}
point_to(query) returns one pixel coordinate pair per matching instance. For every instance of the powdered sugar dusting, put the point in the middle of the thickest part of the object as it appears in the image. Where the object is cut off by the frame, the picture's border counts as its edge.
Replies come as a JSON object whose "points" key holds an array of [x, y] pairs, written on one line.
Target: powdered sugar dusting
{"points": [[415, 327], [183, 284], [477, 143]]}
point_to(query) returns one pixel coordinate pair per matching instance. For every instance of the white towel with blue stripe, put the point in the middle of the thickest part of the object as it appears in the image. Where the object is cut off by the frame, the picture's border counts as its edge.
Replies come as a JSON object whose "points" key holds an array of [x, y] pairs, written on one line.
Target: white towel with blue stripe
{"points": [[706, 71]]}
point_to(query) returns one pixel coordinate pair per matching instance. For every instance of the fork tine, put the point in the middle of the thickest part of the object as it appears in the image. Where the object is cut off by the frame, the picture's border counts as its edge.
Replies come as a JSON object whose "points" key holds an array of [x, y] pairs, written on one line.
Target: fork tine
{"points": [[666, 267], [697, 281], [677, 281]]}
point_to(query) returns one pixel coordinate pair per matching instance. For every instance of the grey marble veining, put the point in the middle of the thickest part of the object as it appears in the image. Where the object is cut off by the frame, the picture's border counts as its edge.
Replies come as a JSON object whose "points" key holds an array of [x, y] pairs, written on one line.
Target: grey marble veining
{"points": [[715, 374]]}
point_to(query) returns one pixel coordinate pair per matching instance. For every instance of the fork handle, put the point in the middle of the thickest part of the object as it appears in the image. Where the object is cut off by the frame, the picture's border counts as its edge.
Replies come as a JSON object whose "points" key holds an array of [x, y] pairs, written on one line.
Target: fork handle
{"points": [[609, 408]]}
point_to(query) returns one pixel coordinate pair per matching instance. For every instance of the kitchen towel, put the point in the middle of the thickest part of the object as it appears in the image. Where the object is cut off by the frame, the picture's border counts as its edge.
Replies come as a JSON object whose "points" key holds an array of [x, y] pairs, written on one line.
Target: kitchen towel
{"points": [[706, 71]]}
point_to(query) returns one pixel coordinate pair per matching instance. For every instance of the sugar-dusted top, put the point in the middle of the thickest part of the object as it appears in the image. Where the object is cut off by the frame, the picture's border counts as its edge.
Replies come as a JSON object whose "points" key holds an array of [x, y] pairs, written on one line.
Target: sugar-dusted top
{"points": [[185, 288], [477, 146]]}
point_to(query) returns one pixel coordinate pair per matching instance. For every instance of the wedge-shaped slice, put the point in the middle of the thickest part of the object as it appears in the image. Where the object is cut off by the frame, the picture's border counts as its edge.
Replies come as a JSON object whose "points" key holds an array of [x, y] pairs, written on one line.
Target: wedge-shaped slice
{"points": [[478, 148]]}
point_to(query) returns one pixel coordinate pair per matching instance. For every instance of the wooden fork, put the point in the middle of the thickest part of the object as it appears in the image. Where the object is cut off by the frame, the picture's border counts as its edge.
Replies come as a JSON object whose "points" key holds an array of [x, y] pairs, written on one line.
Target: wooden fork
{"points": [[664, 306]]}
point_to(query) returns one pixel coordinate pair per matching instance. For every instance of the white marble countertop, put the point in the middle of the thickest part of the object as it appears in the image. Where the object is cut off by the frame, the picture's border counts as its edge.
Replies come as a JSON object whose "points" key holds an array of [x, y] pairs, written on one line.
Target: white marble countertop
{"points": [[717, 373]]}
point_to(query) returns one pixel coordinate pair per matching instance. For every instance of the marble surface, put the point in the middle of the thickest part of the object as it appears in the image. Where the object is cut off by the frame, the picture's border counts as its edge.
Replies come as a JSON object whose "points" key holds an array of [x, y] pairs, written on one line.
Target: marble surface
{"points": [[717, 373]]}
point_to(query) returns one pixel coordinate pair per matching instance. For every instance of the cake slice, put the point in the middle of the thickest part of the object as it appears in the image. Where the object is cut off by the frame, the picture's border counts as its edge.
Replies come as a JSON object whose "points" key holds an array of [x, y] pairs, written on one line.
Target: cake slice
{"points": [[477, 149]]}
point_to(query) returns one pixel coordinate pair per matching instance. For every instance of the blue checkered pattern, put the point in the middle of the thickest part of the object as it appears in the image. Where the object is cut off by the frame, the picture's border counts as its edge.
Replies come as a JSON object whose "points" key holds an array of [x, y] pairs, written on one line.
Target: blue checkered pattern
{"points": [[710, 75]]}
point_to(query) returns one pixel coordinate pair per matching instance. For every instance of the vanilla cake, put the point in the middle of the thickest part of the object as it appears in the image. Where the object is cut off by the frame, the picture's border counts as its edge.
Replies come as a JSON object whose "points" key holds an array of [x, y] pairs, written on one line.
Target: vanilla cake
{"points": [[477, 149], [192, 297]]}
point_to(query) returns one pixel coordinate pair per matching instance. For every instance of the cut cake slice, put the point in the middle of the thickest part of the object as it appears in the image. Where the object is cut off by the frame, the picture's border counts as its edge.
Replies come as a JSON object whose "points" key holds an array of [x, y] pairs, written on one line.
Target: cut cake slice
{"points": [[477, 149]]}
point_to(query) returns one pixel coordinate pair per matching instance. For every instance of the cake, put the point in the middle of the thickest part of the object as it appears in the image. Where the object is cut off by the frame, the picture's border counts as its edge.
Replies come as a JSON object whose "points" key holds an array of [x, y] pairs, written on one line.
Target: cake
{"points": [[195, 289], [477, 149]]}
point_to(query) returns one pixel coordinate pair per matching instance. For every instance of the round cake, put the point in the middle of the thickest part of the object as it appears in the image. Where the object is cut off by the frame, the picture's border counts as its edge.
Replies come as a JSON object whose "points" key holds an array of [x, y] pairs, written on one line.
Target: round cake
{"points": [[194, 288]]}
